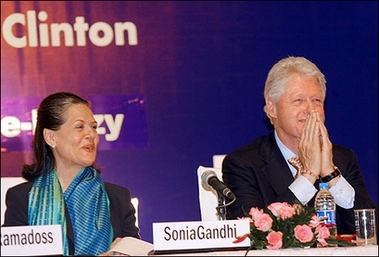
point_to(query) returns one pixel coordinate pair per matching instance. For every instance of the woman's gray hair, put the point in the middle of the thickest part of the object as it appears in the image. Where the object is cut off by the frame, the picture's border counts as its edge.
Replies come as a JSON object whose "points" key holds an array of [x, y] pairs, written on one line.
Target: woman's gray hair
{"points": [[279, 74]]}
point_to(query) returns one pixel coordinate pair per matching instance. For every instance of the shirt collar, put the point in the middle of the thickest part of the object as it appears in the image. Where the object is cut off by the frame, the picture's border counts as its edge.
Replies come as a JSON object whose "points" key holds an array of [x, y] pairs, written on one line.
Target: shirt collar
{"points": [[286, 152]]}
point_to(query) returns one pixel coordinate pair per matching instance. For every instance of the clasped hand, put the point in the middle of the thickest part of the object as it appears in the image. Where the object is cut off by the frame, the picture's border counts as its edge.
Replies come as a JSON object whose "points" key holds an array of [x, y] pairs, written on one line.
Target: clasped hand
{"points": [[315, 148]]}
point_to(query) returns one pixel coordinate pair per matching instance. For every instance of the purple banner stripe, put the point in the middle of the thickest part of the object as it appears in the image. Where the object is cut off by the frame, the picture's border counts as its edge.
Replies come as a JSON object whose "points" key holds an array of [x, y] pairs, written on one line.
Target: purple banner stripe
{"points": [[122, 121]]}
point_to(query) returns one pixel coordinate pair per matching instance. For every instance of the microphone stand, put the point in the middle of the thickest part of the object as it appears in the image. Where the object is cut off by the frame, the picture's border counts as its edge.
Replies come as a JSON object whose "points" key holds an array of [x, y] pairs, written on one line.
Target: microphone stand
{"points": [[221, 208]]}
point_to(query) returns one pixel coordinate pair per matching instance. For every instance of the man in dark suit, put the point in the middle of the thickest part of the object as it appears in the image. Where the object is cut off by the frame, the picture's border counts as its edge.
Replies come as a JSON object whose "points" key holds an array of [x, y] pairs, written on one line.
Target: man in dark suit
{"points": [[260, 173]]}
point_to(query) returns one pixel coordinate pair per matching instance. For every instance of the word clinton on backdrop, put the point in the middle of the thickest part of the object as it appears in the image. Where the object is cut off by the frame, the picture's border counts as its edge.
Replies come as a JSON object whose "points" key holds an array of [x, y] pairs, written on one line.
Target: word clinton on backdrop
{"points": [[54, 31]]}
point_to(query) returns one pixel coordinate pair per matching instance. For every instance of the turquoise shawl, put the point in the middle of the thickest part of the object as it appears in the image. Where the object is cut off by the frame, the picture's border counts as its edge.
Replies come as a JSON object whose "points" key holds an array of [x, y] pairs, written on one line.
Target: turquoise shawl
{"points": [[87, 203]]}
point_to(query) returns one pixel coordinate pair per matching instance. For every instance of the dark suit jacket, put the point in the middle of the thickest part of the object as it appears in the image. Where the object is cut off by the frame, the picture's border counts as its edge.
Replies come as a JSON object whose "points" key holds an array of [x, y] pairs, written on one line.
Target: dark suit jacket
{"points": [[259, 175], [122, 211]]}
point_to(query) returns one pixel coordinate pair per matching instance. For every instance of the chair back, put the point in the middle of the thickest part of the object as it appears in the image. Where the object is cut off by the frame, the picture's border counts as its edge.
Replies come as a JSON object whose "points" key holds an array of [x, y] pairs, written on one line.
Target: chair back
{"points": [[208, 198], [6, 183], [217, 160], [135, 203]]}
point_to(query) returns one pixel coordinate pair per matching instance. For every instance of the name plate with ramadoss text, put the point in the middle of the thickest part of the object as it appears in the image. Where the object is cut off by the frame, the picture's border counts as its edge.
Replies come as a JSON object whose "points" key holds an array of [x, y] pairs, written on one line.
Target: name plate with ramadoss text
{"points": [[31, 240], [200, 235]]}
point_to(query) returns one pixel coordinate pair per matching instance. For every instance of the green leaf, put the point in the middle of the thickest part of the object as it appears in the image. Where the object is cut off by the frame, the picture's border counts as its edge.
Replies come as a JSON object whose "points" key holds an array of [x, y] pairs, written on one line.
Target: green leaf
{"points": [[339, 242]]}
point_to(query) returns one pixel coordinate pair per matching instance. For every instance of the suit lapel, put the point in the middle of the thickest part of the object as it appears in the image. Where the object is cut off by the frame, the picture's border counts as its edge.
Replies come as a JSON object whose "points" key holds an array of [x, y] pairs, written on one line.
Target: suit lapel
{"points": [[276, 169], [70, 232]]}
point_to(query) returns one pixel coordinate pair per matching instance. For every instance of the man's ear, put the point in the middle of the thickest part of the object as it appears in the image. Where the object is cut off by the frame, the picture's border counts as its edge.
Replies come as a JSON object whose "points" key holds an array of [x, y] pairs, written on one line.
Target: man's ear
{"points": [[48, 135], [271, 108]]}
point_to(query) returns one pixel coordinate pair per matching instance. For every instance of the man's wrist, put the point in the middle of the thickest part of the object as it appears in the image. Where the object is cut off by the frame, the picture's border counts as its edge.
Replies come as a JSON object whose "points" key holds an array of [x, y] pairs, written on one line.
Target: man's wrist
{"points": [[310, 173], [336, 173]]}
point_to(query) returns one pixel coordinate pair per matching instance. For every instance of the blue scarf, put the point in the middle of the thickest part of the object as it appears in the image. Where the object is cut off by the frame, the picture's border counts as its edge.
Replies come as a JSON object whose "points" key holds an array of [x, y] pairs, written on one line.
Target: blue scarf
{"points": [[88, 206]]}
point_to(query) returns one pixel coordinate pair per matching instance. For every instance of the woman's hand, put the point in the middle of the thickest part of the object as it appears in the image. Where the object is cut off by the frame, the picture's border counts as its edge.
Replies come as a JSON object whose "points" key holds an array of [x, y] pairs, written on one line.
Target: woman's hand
{"points": [[112, 245]]}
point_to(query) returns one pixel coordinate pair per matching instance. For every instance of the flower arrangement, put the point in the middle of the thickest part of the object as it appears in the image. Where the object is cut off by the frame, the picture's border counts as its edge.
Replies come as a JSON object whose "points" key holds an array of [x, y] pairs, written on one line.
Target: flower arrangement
{"points": [[282, 225]]}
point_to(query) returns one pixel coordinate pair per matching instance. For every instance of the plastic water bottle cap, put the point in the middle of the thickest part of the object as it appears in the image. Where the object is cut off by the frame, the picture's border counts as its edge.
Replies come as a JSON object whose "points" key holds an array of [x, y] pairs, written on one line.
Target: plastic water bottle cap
{"points": [[323, 185]]}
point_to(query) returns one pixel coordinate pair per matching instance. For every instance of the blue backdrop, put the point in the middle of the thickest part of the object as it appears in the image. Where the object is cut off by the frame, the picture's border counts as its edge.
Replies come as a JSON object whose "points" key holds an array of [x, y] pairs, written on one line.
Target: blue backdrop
{"points": [[200, 68]]}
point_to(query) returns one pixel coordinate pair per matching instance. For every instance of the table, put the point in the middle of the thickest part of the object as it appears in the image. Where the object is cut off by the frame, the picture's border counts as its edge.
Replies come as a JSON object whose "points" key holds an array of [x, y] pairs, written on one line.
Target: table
{"points": [[368, 250]]}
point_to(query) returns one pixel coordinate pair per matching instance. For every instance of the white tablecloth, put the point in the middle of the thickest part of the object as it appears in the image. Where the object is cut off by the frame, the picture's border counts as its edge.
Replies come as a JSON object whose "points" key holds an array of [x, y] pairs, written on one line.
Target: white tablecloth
{"points": [[369, 250]]}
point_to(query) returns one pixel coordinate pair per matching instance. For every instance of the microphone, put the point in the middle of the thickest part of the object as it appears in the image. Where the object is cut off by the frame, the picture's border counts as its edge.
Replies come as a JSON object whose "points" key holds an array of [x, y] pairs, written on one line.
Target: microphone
{"points": [[209, 178]]}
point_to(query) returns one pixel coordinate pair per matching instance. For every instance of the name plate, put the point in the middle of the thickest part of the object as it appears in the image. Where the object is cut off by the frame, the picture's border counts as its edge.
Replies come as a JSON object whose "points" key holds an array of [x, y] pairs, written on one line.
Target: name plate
{"points": [[182, 236], [31, 240]]}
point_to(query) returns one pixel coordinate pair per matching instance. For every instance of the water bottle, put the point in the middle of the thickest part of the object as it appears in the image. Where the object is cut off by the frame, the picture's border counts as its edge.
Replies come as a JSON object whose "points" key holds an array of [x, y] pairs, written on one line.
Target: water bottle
{"points": [[326, 210]]}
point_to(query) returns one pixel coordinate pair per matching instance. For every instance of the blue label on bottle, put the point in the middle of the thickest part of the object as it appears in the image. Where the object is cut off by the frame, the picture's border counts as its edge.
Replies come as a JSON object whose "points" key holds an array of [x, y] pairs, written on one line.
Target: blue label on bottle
{"points": [[327, 217]]}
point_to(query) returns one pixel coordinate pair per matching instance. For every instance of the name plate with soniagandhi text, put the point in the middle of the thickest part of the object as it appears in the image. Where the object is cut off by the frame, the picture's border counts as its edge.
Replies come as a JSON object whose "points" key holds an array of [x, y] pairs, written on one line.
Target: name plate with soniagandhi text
{"points": [[200, 235], [31, 240]]}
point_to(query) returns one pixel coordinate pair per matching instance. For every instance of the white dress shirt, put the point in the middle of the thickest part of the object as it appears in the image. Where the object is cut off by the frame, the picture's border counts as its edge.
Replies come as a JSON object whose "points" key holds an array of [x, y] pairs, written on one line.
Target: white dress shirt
{"points": [[304, 190]]}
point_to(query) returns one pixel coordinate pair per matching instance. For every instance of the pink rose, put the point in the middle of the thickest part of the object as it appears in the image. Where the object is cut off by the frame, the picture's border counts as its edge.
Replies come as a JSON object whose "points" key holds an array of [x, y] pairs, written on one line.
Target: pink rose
{"points": [[275, 207], [322, 234], [263, 222], [303, 233], [286, 212], [315, 221], [274, 240], [254, 212], [282, 210]]}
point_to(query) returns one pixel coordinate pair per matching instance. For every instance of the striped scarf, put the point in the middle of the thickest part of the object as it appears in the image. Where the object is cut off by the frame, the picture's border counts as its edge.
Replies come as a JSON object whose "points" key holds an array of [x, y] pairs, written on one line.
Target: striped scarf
{"points": [[88, 206]]}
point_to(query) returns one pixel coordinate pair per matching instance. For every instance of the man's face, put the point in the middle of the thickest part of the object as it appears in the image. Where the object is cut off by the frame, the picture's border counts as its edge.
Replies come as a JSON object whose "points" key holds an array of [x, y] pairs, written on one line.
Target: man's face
{"points": [[302, 95]]}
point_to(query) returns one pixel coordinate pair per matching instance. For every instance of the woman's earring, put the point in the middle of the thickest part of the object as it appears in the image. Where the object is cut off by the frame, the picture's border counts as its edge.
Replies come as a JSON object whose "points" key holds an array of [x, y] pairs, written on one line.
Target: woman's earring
{"points": [[53, 146]]}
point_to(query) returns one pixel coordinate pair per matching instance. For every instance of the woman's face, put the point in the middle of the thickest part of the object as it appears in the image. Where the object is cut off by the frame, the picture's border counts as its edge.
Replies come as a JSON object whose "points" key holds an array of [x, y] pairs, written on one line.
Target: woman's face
{"points": [[77, 140]]}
